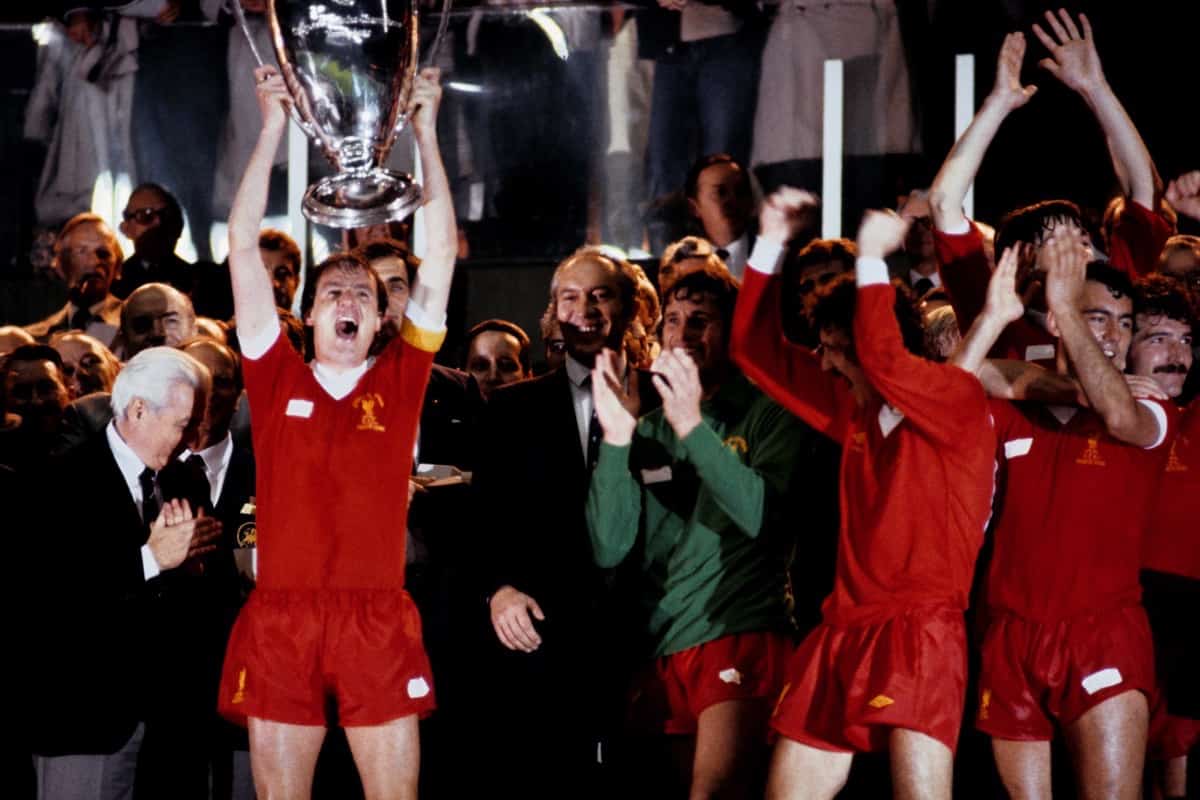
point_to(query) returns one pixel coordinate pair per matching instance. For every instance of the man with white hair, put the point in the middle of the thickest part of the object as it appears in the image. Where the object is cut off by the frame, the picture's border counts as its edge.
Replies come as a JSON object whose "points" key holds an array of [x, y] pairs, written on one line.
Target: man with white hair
{"points": [[92, 650]]}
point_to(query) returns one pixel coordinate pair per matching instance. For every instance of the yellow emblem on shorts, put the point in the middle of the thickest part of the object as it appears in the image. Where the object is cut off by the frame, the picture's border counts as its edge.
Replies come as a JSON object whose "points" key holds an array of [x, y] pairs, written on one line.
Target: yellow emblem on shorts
{"points": [[247, 535], [368, 402], [880, 701], [737, 444], [1091, 455], [985, 700], [786, 688], [240, 695]]}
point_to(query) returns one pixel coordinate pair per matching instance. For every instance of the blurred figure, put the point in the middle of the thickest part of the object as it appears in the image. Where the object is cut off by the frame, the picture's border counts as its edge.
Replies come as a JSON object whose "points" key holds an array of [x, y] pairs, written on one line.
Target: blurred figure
{"points": [[153, 221], [721, 200], [211, 328], [281, 257], [817, 263], [1181, 259], [941, 333], [32, 388], [554, 348], [689, 254], [397, 266], [88, 256], [497, 354], [155, 314], [12, 337], [87, 365]]}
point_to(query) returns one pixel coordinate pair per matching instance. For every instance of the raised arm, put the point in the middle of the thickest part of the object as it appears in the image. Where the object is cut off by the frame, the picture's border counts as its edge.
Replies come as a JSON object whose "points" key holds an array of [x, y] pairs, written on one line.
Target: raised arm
{"points": [[614, 503], [938, 398], [960, 167], [789, 373], [253, 298], [431, 290], [1075, 62], [1107, 392], [1183, 194]]}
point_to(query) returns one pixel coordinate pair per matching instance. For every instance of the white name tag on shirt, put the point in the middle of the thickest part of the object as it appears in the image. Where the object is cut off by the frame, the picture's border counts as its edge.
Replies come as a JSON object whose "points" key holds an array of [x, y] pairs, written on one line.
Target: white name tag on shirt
{"points": [[1017, 447], [660, 475], [299, 408], [1039, 352]]}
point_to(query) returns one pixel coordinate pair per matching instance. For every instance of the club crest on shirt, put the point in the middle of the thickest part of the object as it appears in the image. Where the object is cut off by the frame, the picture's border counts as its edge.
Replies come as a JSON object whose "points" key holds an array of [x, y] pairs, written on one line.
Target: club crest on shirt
{"points": [[1174, 462], [858, 442], [1091, 454], [247, 535], [737, 444], [367, 403]]}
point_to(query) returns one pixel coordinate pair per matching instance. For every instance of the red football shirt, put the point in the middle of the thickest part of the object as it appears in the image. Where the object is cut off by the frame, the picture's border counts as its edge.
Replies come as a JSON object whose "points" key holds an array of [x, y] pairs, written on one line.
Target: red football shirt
{"points": [[917, 467], [1173, 535], [1070, 524], [332, 493]]}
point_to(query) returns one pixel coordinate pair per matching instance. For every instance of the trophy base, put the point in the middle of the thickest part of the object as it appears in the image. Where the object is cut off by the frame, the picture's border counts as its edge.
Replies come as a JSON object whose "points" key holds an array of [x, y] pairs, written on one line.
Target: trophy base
{"points": [[359, 201]]}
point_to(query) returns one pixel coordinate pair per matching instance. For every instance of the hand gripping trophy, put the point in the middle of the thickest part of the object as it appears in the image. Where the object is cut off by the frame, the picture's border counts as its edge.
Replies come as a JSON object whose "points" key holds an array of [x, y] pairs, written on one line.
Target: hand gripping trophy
{"points": [[349, 67]]}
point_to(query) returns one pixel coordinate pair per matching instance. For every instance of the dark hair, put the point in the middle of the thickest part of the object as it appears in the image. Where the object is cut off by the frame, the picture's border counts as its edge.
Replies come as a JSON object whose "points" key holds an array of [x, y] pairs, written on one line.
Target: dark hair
{"points": [[276, 241], [389, 248], [689, 247], [692, 184], [1030, 224], [172, 213], [716, 282], [502, 326], [1117, 281], [32, 352], [823, 251], [231, 353], [834, 308], [1165, 296], [1116, 209], [346, 262]]}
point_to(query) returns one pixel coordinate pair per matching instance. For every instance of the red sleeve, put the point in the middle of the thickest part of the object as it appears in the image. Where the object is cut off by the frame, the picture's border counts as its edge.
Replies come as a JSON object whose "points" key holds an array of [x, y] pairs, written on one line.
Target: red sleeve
{"points": [[965, 271], [1138, 237], [941, 400], [789, 373]]}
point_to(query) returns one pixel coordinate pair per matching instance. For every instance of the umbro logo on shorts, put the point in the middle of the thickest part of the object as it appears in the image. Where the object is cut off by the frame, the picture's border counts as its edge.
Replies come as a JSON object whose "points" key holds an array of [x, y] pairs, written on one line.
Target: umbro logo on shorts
{"points": [[730, 675]]}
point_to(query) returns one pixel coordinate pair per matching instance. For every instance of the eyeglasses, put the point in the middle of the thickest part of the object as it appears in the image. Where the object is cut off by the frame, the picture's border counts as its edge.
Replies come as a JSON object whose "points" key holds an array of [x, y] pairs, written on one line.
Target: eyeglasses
{"points": [[556, 345], [142, 216]]}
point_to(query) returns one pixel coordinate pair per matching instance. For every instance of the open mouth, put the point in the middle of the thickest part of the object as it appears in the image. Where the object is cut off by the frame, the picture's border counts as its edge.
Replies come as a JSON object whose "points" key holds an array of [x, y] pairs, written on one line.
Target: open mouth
{"points": [[346, 328]]}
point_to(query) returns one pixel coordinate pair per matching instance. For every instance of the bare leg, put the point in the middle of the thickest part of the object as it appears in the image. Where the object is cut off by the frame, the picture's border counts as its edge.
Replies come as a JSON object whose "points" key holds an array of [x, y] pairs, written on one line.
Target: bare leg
{"points": [[922, 767], [1024, 767], [1174, 777], [730, 750], [800, 772], [283, 757], [388, 758], [1109, 747]]}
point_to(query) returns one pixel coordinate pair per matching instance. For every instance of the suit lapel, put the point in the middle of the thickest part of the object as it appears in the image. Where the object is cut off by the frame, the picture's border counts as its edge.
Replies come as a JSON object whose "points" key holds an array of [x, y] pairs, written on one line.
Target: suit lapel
{"points": [[565, 428], [112, 484]]}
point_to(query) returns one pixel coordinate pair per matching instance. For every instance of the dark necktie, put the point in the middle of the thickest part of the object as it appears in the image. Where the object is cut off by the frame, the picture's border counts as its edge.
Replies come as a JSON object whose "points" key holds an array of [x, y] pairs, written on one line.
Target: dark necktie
{"points": [[149, 501], [723, 254], [921, 287], [200, 469], [80, 319], [595, 434]]}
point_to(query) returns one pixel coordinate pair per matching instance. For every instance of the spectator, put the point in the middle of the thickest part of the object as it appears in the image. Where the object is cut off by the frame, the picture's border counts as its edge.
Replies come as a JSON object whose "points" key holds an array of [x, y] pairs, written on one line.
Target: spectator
{"points": [[153, 221], [721, 201], [155, 314], [87, 365], [281, 257], [805, 272], [497, 354], [554, 347], [12, 337], [32, 387]]}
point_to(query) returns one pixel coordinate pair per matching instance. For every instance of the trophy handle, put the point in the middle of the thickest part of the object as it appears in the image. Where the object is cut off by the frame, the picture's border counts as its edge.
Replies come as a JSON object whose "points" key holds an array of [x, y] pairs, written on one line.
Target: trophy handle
{"points": [[441, 33], [238, 12]]}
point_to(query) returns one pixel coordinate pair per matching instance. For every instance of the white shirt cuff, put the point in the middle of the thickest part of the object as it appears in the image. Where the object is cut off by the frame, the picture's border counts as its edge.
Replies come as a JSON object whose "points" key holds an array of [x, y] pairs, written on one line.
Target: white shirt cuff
{"points": [[426, 321], [870, 271], [766, 257], [150, 568], [1160, 414], [959, 229], [256, 346]]}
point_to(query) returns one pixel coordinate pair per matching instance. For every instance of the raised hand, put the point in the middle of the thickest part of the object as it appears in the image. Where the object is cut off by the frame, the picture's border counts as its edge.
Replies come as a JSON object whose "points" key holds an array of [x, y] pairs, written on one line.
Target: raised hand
{"points": [[1145, 387], [1008, 89], [1065, 259], [785, 213], [1073, 57], [881, 233], [1003, 303], [176, 535], [1183, 194], [273, 98], [611, 400], [424, 101], [678, 382]]}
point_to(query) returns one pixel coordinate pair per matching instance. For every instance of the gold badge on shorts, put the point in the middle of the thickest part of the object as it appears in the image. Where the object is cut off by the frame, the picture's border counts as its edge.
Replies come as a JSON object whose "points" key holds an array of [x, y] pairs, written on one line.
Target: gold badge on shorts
{"points": [[368, 403], [880, 701], [240, 695]]}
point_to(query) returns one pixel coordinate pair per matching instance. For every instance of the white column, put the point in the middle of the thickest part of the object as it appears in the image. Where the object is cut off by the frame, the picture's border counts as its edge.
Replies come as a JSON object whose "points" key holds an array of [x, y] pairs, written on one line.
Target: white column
{"points": [[964, 111], [831, 152]]}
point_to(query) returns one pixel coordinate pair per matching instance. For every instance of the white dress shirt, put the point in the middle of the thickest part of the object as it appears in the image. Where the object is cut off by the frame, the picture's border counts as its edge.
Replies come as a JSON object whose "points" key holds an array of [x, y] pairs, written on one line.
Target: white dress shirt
{"points": [[131, 468], [579, 377], [739, 252], [216, 464]]}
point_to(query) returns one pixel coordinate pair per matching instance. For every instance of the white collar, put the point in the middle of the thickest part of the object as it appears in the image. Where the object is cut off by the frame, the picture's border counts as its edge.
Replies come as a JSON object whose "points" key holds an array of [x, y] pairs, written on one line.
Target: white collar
{"points": [[1063, 413], [216, 457], [934, 277], [340, 384], [128, 462], [576, 372]]}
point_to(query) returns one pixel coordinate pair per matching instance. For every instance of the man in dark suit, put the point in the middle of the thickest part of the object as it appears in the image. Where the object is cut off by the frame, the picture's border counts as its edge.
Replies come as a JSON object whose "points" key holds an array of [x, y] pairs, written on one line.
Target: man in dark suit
{"points": [[187, 745], [153, 221], [92, 645], [549, 675]]}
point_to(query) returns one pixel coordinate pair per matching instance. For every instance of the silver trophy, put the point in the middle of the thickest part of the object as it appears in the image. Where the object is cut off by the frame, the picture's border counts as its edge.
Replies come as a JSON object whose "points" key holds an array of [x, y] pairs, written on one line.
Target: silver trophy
{"points": [[349, 66]]}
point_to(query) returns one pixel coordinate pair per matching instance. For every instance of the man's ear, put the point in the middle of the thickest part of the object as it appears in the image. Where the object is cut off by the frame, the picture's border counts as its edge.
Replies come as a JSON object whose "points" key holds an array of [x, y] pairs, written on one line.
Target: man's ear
{"points": [[1052, 325]]}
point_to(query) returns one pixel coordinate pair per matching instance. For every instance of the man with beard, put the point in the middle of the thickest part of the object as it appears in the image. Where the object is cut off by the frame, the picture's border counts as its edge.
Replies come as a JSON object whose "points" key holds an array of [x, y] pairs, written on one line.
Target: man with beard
{"points": [[88, 256], [553, 677], [1162, 350]]}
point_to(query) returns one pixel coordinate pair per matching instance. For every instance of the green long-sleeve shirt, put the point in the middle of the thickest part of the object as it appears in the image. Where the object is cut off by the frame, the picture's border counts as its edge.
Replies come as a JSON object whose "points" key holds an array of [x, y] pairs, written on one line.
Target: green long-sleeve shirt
{"points": [[700, 515]]}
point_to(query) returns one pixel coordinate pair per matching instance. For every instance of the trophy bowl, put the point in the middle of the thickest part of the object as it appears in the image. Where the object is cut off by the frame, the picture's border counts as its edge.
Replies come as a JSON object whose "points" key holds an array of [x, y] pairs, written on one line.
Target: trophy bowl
{"points": [[349, 67]]}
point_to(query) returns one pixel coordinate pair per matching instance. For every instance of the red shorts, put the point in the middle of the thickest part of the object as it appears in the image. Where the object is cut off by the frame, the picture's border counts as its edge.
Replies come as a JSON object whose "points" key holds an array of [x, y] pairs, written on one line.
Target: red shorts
{"points": [[1170, 736], [670, 693], [849, 686], [1034, 674], [293, 653]]}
